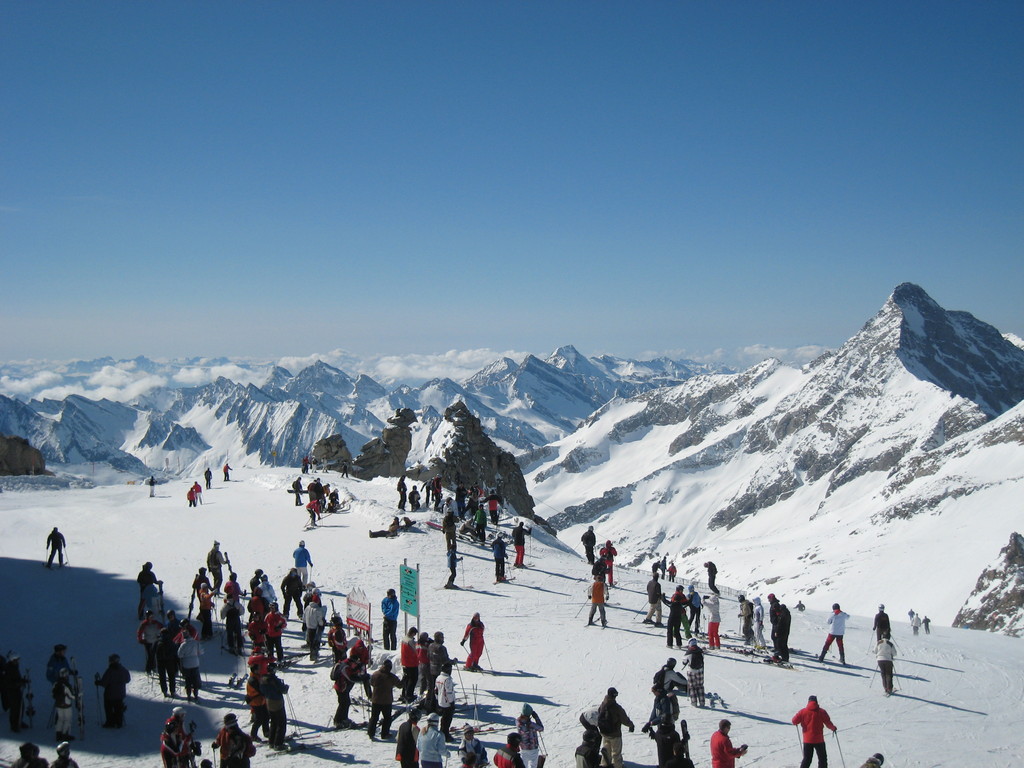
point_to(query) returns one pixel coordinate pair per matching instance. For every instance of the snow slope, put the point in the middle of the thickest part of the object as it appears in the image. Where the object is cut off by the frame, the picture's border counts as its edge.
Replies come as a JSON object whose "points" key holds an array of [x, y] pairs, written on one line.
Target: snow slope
{"points": [[961, 691]]}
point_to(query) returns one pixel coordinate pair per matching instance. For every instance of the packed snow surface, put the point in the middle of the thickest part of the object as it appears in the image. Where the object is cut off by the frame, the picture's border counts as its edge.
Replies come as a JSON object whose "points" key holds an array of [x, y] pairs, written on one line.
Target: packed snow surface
{"points": [[959, 700]]}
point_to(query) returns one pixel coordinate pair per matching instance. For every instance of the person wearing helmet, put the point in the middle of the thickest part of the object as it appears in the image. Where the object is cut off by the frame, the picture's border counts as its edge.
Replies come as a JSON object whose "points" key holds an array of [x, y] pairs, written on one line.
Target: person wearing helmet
{"points": [[303, 562], [63, 702], [875, 761], [29, 757], [509, 756], [837, 623], [174, 742], [63, 757], [695, 673], [882, 625]]}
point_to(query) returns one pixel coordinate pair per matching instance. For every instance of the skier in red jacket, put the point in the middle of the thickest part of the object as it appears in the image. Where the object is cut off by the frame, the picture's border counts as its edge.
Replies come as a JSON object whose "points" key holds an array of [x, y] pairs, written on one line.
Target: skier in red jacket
{"points": [[813, 720], [608, 553], [475, 635], [723, 753]]}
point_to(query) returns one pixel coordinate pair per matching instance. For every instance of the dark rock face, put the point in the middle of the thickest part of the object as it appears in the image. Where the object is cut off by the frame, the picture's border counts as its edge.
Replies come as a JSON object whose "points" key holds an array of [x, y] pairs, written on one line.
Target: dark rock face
{"points": [[470, 456], [997, 602], [385, 456], [17, 457], [331, 452]]}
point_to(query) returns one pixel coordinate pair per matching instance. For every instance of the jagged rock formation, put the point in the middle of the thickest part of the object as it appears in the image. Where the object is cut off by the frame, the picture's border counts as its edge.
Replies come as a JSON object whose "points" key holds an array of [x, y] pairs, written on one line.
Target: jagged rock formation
{"points": [[997, 602], [331, 452], [471, 456], [17, 457], [385, 456]]}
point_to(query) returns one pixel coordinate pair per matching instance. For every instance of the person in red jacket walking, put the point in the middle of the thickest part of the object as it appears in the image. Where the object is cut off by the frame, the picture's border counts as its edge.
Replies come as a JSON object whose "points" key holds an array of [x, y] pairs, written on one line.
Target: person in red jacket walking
{"points": [[723, 753], [813, 720], [475, 635]]}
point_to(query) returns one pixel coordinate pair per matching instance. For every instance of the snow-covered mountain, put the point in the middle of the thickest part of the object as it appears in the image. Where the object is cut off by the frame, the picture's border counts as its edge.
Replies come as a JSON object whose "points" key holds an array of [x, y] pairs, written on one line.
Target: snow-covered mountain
{"points": [[265, 415], [907, 436]]}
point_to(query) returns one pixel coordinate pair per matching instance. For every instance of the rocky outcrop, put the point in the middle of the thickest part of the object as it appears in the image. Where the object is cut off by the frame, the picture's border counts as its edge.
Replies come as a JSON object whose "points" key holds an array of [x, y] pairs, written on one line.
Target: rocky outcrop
{"points": [[997, 602], [17, 457], [331, 452], [385, 456], [470, 456]]}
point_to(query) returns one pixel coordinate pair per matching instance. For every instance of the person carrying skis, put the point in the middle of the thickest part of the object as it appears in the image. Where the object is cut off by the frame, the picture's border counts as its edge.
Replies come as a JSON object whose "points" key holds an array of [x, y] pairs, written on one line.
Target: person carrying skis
{"points": [[596, 593], [695, 673], [528, 725], [303, 562], [714, 606], [610, 719], [235, 745], [608, 553], [712, 573], [145, 578], [215, 561], [114, 683], [389, 611], [723, 753], [654, 595], [63, 692], [812, 721], [589, 539], [56, 543], [885, 653], [837, 622], [58, 661], [475, 634], [12, 684]]}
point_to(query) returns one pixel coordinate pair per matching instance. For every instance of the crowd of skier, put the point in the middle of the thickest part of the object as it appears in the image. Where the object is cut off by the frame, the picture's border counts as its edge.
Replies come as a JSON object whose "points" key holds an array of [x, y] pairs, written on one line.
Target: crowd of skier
{"points": [[255, 620]]}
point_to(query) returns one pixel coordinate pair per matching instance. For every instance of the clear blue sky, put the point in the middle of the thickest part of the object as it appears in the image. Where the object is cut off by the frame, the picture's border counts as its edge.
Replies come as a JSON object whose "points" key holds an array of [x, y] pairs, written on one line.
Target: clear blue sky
{"points": [[278, 178]]}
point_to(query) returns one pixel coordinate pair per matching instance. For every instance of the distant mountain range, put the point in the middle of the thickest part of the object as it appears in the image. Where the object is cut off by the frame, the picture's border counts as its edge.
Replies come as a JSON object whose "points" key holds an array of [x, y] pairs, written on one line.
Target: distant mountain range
{"points": [[272, 416]]}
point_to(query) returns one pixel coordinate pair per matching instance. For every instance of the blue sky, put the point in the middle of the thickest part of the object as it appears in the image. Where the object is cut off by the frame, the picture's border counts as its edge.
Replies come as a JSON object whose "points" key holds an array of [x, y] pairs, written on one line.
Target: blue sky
{"points": [[280, 178]]}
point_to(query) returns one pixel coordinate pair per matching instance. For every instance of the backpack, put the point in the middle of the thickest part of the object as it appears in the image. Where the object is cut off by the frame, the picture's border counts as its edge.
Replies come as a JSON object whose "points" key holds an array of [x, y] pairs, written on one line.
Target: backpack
{"points": [[605, 722], [659, 679]]}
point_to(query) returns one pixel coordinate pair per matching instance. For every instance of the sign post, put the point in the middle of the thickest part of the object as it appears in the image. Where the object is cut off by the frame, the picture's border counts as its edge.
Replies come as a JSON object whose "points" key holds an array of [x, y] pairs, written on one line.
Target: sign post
{"points": [[409, 586]]}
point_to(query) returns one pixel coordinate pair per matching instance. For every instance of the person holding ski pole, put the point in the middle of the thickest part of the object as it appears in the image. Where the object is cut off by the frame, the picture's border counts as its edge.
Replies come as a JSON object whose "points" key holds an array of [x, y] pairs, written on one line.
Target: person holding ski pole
{"points": [[812, 721]]}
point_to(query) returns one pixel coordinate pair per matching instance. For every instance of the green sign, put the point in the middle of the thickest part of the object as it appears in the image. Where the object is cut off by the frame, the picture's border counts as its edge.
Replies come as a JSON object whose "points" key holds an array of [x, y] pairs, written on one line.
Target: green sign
{"points": [[409, 585]]}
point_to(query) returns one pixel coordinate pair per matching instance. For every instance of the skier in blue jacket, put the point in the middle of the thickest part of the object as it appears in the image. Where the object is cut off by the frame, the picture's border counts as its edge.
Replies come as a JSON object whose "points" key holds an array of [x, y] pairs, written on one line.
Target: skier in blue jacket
{"points": [[302, 561], [498, 548], [389, 609]]}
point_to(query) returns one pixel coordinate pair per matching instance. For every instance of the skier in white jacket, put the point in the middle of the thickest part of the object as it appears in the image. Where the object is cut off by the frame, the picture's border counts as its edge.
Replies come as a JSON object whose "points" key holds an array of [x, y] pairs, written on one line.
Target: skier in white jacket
{"points": [[837, 622]]}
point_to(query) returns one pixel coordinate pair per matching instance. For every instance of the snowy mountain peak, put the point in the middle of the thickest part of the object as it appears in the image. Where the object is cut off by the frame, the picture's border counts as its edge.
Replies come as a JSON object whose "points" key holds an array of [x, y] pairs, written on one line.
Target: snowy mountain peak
{"points": [[956, 351]]}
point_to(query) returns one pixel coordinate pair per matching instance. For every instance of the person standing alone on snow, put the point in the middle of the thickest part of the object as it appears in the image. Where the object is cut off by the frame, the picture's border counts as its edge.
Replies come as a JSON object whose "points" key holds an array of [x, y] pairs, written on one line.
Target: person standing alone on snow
{"points": [[837, 622], [812, 721], [56, 543], [596, 594], [475, 634], [723, 753]]}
